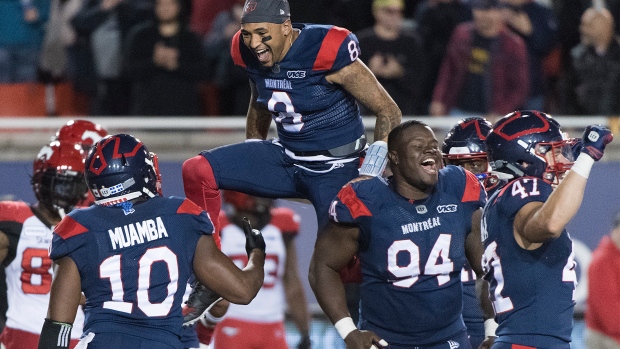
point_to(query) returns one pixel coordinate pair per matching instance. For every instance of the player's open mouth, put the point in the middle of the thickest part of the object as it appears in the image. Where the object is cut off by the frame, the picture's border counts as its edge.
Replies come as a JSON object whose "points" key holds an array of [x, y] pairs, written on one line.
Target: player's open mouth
{"points": [[430, 166], [263, 56]]}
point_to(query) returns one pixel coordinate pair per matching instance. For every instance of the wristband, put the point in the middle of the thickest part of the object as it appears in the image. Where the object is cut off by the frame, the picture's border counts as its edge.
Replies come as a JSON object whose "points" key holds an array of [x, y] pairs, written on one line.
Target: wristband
{"points": [[375, 159], [55, 335], [345, 326], [583, 165], [489, 328], [212, 320]]}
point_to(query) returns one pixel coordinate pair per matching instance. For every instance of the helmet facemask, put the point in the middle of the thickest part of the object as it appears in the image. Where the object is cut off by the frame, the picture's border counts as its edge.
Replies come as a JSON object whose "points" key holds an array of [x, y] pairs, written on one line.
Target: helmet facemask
{"points": [[59, 190], [558, 157]]}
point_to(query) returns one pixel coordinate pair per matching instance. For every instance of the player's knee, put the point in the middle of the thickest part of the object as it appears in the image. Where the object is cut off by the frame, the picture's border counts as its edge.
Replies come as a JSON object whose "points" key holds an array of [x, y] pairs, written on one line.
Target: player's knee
{"points": [[197, 171]]}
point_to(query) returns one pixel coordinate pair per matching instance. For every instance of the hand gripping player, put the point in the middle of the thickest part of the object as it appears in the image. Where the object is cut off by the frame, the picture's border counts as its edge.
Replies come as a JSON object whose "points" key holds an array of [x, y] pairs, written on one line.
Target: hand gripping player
{"points": [[309, 80]]}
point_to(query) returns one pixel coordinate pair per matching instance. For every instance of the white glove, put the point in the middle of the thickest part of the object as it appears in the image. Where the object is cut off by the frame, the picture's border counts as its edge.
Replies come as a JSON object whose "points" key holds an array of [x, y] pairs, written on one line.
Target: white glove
{"points": [[375, 160]]}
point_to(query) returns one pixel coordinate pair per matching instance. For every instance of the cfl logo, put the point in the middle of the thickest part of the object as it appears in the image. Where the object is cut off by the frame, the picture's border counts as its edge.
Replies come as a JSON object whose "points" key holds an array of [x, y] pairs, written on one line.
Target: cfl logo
{"points": [[593, 136], [104, 192]]}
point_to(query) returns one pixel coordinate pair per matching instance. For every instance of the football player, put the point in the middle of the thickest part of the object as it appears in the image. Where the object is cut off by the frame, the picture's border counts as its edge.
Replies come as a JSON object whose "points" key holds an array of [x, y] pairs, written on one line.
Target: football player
{"points": [[132, 254], [529, 258], [82, 132], [25, 236], [464, 146], [412, 233], [308, 79]]}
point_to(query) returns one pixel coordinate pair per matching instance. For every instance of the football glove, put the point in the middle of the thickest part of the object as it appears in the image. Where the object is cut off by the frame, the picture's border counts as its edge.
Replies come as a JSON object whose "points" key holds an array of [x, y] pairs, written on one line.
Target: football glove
{"points": [[595, 138], [253, 237]]}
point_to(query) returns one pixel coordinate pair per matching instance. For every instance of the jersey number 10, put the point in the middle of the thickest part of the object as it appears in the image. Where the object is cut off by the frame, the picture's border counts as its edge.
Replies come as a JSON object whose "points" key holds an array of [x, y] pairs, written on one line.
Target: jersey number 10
{"points": [[111, 269]]}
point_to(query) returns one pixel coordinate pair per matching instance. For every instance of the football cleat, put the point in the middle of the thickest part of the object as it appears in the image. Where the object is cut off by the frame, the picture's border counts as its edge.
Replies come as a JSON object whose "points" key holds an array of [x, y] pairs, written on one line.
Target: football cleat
{"points": [[199, 302]]}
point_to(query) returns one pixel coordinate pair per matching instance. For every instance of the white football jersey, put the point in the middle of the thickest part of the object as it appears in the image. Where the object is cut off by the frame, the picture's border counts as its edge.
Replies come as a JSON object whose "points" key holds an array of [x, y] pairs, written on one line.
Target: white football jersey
{"points": [[29, 275], [270, 302]]}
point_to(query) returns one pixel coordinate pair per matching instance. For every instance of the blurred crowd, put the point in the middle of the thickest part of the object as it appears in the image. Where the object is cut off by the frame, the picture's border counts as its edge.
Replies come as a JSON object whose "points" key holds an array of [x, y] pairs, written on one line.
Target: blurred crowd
{"points": [[434, 57]]}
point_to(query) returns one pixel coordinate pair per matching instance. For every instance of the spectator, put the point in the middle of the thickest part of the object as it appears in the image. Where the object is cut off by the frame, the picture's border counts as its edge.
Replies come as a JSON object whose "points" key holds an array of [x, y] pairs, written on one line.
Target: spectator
{"points": [[411, 249], [260, 324], [204, 12], [134, 282], [485, 69], [22, 27], [101, 26], [394, 54], [436, 22], [351, 14], [592, 82], [569, 15], [164, 61], [56, 61], [603, 302], [537, 26], [231, 81], [25, 235]]}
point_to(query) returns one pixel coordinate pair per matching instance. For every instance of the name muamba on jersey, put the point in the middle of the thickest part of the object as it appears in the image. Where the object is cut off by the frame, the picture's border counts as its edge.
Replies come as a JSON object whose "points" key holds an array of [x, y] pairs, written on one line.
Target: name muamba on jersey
{"points": [[137, 233], [415, 227]]}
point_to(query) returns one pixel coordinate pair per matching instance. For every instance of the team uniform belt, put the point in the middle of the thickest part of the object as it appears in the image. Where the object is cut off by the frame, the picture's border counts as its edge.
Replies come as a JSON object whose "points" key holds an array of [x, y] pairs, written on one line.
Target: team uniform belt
{"points": [[341, 151]]}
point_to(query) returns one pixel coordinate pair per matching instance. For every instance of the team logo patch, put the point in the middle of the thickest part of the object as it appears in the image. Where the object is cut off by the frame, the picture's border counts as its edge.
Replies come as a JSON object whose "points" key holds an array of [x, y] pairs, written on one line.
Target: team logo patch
{"points": [[446, 208], [251, 6], [421, 209], [453, 344]]}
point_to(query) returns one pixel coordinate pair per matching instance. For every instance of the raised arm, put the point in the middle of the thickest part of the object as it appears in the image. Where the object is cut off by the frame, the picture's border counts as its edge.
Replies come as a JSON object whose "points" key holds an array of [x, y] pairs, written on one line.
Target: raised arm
{"points": [[537, 222], [361, 83]]}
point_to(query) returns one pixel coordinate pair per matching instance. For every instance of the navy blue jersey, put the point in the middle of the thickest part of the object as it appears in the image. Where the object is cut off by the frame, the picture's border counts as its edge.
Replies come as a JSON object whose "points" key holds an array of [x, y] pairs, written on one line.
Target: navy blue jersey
{"points": [[411, 255], [472, 312], [311, 114], [532, 291], [134, 268]]}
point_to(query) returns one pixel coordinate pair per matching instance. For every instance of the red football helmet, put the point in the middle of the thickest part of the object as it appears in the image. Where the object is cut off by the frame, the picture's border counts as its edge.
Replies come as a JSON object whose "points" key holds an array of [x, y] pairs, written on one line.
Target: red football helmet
{"points": [[257, 209], [58, 177], [81, 132], [246, 203]]}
